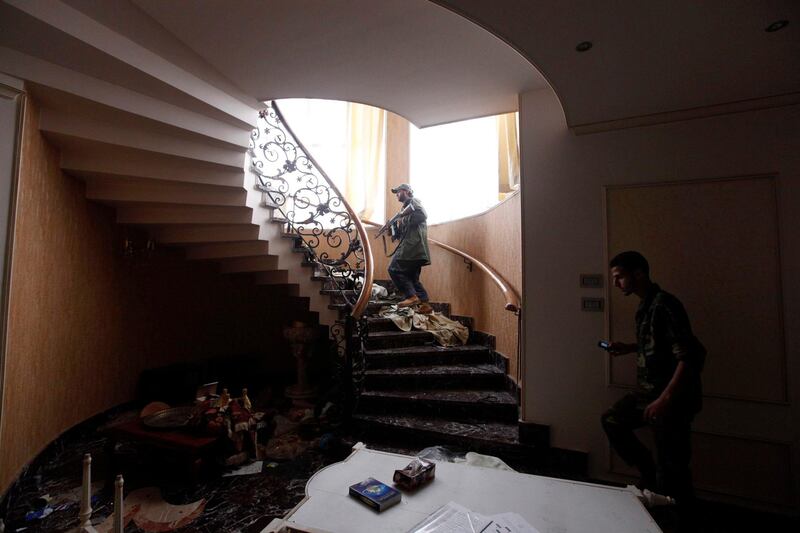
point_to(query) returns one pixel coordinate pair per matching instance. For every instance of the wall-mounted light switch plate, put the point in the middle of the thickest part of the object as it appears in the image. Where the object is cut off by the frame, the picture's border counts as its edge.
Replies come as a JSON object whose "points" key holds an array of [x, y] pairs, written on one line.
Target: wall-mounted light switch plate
{"points": [[592, 304], [591, 281]]}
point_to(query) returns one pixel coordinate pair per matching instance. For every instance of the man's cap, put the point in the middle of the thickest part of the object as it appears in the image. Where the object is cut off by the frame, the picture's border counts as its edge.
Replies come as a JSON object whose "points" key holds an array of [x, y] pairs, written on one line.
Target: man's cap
{"points": [[403, 187]]}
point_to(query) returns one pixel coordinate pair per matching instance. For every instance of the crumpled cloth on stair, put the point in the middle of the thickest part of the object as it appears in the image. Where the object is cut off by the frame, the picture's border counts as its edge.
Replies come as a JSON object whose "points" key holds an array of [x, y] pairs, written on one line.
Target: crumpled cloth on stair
{"points": [[447, 332], [378, 292]]}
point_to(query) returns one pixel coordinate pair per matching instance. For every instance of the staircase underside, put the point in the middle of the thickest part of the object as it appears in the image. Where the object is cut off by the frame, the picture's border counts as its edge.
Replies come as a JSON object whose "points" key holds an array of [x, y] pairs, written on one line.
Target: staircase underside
{"points": [[161, 139]]}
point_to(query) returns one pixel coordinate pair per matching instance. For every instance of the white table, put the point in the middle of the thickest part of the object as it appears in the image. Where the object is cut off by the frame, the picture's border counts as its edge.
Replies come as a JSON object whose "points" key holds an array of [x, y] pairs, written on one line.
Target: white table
{"points": [[551, 505]]}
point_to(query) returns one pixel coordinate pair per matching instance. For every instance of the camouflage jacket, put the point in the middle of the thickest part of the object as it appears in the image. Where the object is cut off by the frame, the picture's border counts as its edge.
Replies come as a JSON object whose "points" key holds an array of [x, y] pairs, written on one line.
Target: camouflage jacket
{"points": [[414, 246], [664, 337]]}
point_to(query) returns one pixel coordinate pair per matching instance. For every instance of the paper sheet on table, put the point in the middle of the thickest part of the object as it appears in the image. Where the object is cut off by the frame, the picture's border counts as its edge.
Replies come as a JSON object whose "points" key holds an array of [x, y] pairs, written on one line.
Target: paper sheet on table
{"points": [[509, 523], [452, 518], [455, 518]]}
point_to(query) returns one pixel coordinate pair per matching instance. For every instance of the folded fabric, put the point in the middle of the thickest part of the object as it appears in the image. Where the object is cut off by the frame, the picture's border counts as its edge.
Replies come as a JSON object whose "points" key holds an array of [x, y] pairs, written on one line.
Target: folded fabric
{"points": [[446, 331]]}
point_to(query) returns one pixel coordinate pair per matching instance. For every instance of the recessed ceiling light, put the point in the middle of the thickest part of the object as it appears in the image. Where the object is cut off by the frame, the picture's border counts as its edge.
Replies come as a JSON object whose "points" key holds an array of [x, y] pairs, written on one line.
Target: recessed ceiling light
{"points": [[777, 25], [584, 46]]}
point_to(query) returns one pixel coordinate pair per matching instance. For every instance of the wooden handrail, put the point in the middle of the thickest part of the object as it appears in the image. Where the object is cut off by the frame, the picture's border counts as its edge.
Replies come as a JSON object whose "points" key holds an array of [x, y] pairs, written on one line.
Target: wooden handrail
{"points": [[369, 266], [510, 295]]}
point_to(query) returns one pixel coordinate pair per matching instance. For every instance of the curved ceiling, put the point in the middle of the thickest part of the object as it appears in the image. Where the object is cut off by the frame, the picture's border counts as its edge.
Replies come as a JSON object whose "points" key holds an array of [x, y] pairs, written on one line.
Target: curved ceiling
{"points": [[650, 57], [412, 57], [431, 61]]}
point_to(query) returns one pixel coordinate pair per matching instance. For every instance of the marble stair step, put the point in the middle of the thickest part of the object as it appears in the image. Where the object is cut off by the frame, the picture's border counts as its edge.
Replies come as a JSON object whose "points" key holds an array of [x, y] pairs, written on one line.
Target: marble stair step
{"points": [[375, 306], [332, 291], [398, 339], [439, 307], [377, 323], [337, 295], [451, 404], [321, 275], [461, 376], [386, 284], [383, 326], [372, 307], [499, 439], [428, 355]]}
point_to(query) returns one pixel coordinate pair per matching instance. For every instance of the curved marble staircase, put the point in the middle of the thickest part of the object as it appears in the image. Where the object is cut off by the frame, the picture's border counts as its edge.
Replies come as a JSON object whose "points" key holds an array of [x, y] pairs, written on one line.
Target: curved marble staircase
{"points": [[426, 394], [418, 394]]}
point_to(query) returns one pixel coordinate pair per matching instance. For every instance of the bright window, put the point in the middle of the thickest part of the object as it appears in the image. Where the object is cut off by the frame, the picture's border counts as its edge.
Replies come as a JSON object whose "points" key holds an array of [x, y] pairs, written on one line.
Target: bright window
{"points": [[348, 141], [454, 168], [321, 125]]}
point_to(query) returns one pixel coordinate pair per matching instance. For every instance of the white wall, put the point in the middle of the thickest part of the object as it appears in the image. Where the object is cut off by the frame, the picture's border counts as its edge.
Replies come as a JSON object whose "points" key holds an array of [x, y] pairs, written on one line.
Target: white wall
{"points": [[563, 175]]}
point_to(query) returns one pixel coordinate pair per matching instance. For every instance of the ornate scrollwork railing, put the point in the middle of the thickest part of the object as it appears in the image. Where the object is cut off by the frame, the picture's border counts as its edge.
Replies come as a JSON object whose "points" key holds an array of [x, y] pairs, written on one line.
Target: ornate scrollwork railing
{"points": [[313, 209], [332, 235]]}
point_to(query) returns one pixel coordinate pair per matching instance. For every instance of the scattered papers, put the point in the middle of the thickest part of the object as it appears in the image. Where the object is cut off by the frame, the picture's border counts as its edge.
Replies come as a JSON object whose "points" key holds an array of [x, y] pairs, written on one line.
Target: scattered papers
{"points": [[455, 518]]}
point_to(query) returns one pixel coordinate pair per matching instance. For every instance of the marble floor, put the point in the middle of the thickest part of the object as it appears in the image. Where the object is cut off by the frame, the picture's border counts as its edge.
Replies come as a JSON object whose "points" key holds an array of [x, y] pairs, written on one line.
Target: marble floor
{"points": [[160, 498]]}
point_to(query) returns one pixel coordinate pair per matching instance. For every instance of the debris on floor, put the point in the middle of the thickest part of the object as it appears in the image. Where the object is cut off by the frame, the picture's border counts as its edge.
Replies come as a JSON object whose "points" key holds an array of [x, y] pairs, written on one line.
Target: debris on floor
{"points": [[151, 513], [246, 470]]}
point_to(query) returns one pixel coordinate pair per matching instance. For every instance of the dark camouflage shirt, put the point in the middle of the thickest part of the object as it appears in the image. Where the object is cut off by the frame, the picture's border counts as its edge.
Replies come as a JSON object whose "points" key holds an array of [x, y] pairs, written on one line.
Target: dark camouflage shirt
{"points": [[414, 246], [664, 337]]}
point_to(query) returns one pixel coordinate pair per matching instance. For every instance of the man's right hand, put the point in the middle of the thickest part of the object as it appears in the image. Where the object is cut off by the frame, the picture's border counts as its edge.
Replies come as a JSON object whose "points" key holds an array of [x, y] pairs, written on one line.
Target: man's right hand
{"points": [[622, 348]]}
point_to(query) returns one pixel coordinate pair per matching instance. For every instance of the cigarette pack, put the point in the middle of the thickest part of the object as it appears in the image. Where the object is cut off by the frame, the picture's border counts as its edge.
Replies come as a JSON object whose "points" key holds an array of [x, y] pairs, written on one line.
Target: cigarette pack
{"points": [[375, 494]]}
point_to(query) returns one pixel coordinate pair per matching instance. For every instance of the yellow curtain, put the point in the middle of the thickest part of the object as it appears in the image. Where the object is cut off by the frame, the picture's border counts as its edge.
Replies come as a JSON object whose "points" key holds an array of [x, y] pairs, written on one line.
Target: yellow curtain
{"points": [[508, 155], [365, 160]]}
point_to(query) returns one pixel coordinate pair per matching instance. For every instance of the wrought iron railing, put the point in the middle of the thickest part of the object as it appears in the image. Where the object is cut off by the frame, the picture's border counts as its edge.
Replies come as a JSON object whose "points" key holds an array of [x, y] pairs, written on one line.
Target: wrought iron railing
{"points": [[314, 210]]}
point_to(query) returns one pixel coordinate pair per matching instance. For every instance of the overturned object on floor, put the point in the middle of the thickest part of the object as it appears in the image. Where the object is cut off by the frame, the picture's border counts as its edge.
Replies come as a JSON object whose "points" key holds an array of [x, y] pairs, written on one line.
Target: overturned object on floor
{"points": [[446, 331]]}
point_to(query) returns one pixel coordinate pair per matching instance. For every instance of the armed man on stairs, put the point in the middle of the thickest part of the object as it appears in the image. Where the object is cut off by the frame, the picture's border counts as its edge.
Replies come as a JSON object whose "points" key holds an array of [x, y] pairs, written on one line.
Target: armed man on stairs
{"points": [[409, 226]]}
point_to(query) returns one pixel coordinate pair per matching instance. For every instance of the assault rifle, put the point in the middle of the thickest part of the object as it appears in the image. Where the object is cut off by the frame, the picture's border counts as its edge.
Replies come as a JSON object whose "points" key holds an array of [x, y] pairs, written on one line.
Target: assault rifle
{"points": [[391, 224]]}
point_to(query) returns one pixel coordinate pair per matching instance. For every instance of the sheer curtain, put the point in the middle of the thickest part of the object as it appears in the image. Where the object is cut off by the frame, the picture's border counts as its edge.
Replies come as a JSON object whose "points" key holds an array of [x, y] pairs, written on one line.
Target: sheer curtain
{"points": [[508, 154], [365, 172]]}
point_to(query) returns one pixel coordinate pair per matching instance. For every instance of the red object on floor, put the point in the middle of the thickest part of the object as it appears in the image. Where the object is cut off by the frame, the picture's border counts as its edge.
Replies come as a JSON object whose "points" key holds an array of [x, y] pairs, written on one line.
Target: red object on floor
{"points": [[189, 449], [182, 441]]}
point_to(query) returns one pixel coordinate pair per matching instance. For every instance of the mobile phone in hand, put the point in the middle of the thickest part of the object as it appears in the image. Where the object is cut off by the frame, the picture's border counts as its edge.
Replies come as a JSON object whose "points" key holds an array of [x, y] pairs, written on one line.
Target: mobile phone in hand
{"points": [[604, 345]]}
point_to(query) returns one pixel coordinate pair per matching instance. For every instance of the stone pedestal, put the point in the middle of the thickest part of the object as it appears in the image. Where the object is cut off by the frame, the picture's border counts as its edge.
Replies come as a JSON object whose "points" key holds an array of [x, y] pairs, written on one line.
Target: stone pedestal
{"points": [[301, 337]]}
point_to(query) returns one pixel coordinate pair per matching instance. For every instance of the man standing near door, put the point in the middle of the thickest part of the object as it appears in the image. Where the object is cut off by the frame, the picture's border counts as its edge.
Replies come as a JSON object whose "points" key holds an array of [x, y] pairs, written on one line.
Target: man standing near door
{"points": [[669, 394]]}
